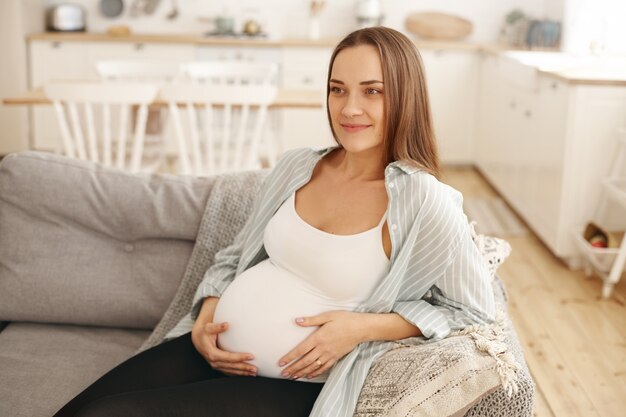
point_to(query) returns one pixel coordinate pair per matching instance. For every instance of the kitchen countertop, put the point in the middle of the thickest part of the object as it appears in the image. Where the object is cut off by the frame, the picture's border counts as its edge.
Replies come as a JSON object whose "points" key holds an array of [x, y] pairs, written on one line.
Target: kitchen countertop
{"points": [[571, 69], [574, 69], [227, 41]]}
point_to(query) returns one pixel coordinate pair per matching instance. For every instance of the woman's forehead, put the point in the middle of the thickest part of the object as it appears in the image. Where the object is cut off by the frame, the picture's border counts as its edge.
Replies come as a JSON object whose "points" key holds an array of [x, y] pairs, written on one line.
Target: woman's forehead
{"points": [[357, 63]]}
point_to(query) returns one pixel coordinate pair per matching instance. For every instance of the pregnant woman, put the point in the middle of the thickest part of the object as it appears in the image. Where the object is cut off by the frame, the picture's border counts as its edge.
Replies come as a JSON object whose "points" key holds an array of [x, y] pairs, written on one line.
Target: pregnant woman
{"points": [[347, 249]]}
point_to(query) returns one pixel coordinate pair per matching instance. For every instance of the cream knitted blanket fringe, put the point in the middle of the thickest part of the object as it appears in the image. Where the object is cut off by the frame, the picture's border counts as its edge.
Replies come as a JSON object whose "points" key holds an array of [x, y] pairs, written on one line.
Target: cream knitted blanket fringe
{"points": [[490, 339]]}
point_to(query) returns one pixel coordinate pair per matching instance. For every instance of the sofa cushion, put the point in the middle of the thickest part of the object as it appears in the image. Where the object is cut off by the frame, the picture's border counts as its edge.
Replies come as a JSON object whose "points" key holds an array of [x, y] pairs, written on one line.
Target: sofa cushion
{"points": [[46, 365], [85, 244]]}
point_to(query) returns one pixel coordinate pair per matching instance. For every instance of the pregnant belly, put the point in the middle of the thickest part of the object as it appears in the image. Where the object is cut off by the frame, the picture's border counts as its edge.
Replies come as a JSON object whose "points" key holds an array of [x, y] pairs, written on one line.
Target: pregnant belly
{"points": [[261, 306]]}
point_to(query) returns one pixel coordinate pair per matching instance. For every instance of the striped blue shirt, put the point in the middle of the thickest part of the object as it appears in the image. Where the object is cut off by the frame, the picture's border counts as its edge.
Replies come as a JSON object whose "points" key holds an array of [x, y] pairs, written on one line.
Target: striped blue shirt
{"points": [[437, 280]]}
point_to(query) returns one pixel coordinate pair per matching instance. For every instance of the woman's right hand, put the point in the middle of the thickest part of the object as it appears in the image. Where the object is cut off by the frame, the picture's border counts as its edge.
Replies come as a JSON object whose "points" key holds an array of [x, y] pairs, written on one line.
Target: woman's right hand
{"points": [[204, 337]]}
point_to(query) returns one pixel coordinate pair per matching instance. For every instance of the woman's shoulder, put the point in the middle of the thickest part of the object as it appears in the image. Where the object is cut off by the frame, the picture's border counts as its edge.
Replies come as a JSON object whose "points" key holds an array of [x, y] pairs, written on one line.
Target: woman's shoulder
{"points": [[428, 188], [302, 154]]}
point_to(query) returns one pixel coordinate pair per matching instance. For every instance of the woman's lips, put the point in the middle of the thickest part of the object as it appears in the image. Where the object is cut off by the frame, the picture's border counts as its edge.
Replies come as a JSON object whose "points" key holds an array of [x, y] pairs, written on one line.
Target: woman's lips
{"points": [[353, 128]]}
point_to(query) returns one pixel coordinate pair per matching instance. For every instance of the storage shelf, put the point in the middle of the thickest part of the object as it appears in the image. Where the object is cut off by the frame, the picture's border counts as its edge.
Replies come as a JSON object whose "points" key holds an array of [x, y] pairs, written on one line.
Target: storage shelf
{"points": [[600, 258]]}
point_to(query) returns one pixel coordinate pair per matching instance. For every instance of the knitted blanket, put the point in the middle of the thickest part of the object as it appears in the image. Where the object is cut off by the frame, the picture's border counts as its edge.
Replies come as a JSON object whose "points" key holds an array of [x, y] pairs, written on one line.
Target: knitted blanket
{"points": [[476, 372]]}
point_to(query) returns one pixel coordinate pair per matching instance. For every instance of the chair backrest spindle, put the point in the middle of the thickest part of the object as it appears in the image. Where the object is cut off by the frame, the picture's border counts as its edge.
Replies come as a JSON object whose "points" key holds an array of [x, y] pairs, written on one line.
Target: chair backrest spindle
{"points": [[230, 140], [72, 95]]}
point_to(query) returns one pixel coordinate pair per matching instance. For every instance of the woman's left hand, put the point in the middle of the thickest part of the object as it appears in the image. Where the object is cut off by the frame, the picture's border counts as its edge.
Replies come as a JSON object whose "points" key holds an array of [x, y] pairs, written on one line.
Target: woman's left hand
{"points": [[339, 332]]}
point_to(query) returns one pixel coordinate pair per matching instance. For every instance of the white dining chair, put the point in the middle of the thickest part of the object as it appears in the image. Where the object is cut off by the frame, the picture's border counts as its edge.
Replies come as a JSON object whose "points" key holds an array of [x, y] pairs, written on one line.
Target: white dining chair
{"points": [[159, 133], [152, 71], [230, 72], [229, 135], [83, 108]]}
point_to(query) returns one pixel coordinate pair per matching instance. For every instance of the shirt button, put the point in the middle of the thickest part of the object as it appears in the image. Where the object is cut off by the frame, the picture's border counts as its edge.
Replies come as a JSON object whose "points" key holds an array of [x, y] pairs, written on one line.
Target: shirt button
{"points": [[394, 226], [128, 247]]}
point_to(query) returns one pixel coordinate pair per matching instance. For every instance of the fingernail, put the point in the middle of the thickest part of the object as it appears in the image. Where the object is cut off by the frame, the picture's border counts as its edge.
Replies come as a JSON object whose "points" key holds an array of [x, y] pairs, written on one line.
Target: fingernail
{"points": [[281, 363], [285, 374], [295, 377], [300, 320], [250, 357]]}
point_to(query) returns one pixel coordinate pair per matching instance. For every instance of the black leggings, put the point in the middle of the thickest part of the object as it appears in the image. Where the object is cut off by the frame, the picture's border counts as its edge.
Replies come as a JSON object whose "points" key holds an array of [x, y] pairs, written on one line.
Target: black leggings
{"points": [[173, 379]]}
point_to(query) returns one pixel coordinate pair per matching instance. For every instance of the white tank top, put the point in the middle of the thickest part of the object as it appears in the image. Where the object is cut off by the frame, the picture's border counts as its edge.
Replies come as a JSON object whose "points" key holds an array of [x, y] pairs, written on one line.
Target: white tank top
{"points": [[308, 272]]}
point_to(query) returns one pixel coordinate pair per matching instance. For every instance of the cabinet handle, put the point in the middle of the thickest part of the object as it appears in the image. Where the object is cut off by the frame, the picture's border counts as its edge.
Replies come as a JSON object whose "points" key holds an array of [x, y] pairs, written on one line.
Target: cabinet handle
{"points": [[554, 85], [528, 114], [307, 80], [512, 104], [56, 45], [139, 46]]}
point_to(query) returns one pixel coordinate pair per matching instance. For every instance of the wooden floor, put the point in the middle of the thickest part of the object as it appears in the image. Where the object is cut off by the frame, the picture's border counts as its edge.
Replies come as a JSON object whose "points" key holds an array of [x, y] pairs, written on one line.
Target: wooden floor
{"points": [[574, 342]]}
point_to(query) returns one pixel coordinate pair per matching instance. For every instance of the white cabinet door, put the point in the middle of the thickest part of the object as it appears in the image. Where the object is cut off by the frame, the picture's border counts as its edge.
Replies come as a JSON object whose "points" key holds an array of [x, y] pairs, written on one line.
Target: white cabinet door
{"points": [[452, 78], [305, 69], [545, 150], [53, 61], [238, 53], [487, 120]]}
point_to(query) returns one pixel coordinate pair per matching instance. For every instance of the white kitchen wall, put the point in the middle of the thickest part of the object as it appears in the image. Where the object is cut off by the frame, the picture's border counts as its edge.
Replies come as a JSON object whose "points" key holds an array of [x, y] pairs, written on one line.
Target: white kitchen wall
{"points": [[289, 18], [595, 26]]}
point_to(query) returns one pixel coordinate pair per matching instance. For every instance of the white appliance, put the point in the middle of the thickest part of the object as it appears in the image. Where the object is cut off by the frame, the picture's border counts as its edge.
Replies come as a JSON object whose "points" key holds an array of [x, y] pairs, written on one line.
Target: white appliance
{"points": [[369, 13], [66, 18]]}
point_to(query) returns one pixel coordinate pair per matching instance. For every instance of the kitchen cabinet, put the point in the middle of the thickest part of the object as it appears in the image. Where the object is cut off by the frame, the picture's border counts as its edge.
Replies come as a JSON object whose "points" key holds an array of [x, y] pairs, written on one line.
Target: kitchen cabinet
{"points": [[52, 60], [452, 77], [545, 144], [305, 68]]}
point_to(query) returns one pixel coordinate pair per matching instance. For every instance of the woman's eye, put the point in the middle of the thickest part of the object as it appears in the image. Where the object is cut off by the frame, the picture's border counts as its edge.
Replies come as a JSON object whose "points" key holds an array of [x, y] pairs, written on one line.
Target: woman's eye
{"points": [[335, 90], [372, 91]]}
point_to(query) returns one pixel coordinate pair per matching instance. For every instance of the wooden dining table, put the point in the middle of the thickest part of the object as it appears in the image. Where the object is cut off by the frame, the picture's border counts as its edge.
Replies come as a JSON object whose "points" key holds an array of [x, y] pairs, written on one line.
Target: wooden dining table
{"points": [[285, 98]]}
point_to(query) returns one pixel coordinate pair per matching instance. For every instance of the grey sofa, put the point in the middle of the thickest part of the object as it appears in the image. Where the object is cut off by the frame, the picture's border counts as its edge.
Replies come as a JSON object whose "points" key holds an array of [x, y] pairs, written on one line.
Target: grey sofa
{"points": [[90, 260]]}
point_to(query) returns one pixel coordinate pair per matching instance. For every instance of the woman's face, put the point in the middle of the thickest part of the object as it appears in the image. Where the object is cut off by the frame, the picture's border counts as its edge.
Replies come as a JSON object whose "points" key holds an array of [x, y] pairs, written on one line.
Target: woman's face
{"points": [[355, 101]]}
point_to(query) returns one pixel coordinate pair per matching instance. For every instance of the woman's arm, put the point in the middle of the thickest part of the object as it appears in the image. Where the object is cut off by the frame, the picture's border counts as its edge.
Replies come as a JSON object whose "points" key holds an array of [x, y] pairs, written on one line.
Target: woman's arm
{"points": [[386, 326], [207, 310]]}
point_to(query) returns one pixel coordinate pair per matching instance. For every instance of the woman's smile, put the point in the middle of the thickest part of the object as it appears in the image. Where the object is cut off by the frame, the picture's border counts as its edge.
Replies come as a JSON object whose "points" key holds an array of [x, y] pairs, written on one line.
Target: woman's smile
{"points": [[354, 128]]}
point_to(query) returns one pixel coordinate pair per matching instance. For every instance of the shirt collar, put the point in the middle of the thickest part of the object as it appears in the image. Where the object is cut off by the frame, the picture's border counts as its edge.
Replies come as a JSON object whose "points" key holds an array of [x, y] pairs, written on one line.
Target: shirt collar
{"points": [[402, 165]]}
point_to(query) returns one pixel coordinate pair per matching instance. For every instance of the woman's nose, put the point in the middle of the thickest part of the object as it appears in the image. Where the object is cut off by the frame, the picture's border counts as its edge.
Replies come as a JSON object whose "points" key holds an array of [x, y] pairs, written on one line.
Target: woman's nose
{"points": [[352, 107]]}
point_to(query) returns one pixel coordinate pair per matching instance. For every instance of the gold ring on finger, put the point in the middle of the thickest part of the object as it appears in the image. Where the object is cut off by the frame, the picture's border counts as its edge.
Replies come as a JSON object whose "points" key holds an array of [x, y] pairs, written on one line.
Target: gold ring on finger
{"points": [[318, 362]]}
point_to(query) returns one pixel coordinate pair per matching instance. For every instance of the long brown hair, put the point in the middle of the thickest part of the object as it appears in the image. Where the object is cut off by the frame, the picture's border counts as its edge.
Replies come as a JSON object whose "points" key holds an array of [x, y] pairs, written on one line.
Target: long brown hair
{"points": [[408, 129]]}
